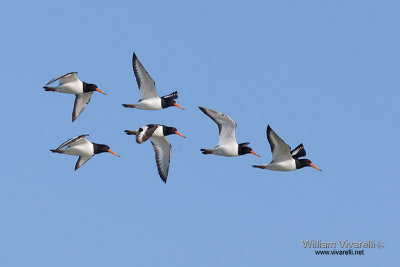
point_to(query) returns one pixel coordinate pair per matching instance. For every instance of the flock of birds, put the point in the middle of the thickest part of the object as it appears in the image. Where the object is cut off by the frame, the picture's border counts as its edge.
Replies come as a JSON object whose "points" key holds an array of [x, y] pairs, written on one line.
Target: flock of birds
{"points": [[283, 158]]}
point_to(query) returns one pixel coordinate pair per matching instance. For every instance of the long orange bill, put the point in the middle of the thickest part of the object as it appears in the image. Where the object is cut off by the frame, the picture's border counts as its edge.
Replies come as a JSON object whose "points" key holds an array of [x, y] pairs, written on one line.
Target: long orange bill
{"points": [[176, 105], [178, 133], [252, 152], [312, 165], [98, 90], [113, 153]]}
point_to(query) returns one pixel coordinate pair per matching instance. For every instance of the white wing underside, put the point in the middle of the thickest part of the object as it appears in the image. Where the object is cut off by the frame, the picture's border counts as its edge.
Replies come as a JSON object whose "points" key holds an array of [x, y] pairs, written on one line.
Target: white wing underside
{"points": [[75, 141], [82, 160], [66, 78], [280, 150], [147, 86], [226, 126], [163, 155], [80, 104]]}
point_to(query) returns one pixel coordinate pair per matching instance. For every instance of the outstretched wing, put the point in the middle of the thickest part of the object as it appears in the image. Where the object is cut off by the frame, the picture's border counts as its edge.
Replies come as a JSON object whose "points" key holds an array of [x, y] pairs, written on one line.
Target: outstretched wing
{"points": [[74, 141], [145, 132], [147, 86], [298, 152], [163, 155], [226, 125], [81, 101], [66, 78], [280, 150], [82, 160]]}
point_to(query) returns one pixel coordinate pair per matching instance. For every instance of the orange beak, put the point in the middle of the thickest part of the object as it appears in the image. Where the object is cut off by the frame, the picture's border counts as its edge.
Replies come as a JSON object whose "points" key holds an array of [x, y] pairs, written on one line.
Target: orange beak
{"points": [[178, 133], [312, 165], [113, 153], [254, 153], [98, 90], [176, 105]]}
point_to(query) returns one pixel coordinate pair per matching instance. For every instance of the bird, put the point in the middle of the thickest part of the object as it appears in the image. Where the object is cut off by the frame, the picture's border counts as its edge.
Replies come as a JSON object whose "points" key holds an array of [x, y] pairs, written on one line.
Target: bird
{"points": [[284, 159], [227, 145], [80, 146], [149, 99], [162, 148], [70, 84]]}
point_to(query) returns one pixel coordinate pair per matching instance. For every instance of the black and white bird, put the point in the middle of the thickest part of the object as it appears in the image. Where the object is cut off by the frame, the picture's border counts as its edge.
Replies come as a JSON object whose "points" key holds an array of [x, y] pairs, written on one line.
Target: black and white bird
{"points": [[284, 159], [162, 147], [70, 84], [227, 145], [149, 99], [80, 146]]}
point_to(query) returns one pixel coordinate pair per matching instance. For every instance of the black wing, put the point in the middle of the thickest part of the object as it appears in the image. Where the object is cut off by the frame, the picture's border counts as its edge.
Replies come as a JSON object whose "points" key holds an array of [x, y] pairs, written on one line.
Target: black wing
{"points": [[298, 152]]}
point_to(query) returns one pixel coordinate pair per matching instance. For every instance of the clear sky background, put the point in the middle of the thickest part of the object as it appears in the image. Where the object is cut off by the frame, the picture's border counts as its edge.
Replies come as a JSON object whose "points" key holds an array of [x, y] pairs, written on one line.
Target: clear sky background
{"points": [[322, 73]]}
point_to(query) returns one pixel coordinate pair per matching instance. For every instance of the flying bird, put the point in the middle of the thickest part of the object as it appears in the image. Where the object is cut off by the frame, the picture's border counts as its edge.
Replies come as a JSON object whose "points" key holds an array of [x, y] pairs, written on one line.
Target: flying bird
{"points": [[80, 146], [70, 84], [162, 147], [284, 159], [149, 99], [227, 145]]}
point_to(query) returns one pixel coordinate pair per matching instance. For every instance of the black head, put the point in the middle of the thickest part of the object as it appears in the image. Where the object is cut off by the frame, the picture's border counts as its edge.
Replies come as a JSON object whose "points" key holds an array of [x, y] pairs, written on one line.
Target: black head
{"points": [[244, 149], [169, 100], [90, 87], [300, 163], [99, 148], [171, 130]]}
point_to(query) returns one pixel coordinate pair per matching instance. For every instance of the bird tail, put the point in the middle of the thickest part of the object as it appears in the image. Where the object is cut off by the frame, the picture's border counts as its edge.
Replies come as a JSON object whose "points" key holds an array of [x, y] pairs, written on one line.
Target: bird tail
{"points": [[259, 166], [129, 105], [131, 132], [48, 88], [206, 151]]}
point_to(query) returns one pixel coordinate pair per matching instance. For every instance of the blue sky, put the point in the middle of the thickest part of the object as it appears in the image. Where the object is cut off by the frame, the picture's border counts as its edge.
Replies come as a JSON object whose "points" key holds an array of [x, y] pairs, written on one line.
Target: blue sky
{"points": [[321, 73]]}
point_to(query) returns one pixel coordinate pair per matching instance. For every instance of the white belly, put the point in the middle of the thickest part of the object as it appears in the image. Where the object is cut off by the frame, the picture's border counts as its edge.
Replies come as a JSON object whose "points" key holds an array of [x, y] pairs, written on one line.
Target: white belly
{"points": [[75, 87], [85, 149], [283, 166], [149, 104], [225, 150]]}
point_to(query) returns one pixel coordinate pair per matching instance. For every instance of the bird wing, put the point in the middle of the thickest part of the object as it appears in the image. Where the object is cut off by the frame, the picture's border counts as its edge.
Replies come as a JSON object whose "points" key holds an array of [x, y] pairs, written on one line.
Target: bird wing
{"points": [[66, 78], [298, 152], [82, 160], [225, 124], [163, 155], [147, 86], [81, 101], [74, 141], [145, 132], [280, 150]]}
